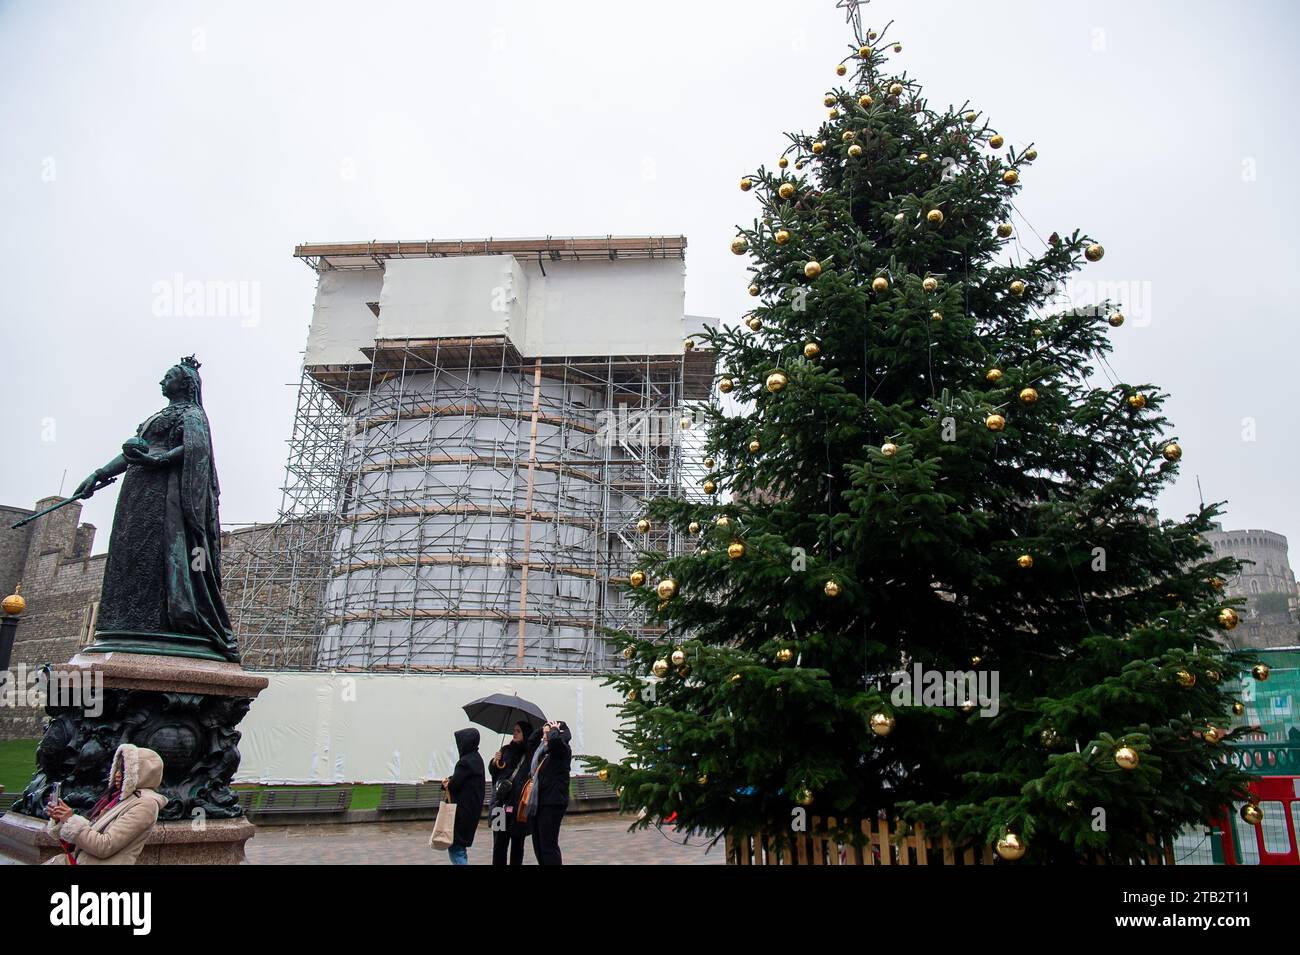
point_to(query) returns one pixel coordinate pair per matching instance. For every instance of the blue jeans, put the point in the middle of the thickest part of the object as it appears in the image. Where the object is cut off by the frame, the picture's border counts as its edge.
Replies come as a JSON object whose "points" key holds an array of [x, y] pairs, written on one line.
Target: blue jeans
{"points": [[459, 855]]}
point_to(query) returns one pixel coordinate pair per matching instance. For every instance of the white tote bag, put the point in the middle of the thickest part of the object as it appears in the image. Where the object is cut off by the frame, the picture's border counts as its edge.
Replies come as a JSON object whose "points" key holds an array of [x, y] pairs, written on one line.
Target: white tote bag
{"points": [[444, 827]]}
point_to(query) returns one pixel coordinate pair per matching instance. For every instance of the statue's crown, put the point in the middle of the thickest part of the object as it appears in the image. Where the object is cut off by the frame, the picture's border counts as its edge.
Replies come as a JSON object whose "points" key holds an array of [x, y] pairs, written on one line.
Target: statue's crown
{"points": [[191, 361]]}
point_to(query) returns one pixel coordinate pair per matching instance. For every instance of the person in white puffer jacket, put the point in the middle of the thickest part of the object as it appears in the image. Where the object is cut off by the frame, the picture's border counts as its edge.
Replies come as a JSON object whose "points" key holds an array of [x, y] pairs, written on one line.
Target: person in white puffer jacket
{"points": [[115, 831]]}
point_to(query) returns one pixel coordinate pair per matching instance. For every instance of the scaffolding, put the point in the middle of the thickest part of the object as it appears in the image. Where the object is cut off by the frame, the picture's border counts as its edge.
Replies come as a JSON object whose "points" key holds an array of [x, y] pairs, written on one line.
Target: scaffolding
{"points": [[452, 504]]}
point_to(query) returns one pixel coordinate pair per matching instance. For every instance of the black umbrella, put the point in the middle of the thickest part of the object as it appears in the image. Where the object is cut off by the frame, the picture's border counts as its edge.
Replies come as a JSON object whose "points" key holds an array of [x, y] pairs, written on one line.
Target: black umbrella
{"points": [[501, 711]]}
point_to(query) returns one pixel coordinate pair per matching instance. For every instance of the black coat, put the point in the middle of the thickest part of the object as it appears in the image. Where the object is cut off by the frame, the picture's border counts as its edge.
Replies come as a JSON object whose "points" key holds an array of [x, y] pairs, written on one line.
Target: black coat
{"points": [[553, 779], [514, 766], [465, 787]]}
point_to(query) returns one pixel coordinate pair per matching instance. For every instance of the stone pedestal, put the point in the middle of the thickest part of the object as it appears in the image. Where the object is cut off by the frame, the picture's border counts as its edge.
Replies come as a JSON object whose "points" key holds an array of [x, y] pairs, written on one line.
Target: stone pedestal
{"points": [[184, 709], [220, 842]]}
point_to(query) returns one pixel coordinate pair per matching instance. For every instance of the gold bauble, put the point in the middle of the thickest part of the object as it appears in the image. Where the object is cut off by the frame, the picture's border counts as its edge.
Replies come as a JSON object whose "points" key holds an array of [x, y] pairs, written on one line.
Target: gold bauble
{"points": [[1212, 676], [799, 164], [754, 446], [753, 290], [735, 550], [1252, 814], [930, 283], [1238, 708], [783, 162], [708, 462], [1126, 757], [818, 148], [1028, 396], [636, 578], [1137, 401], [804, 797], [847, 136], [643, 526], [834, 114], [1031, 154], [725, 385], [995, 422], [970, 117], [896, 89], [880, 284], [829, 100], [1005, 230], [1186, 679], [1016, 288], [739, 245], [1260, 671], [936, 316], [678, 657], [1094, 252], [1117, 319], [899, 217], [666, 588], [660, 668], [812, 269], [872, 34], [723, 520], [898, 48], [811, 350], [629, 652], [782, 237], [746, 184], [777, 381], [1212, 735], [864, 51], [993, 375], [864, 101], [709, 486], [702, 780], [785, 655], [1011, 847], [603, 775], [631, 696], [882, 724], [855, 151], [934, 216], [688, 344], [754, 323], [1172, 451], [693, 527], [1216, 583], [1011, 177], [786, 190], [996, 141], [889, 449], [1050, 738], [841, 70], [923, 157], [831, 589], [734, 678], [14, 604], [1025, 561]]}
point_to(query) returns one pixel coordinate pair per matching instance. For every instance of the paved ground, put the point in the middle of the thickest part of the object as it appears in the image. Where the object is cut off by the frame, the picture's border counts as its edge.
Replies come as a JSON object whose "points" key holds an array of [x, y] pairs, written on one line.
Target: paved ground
{"points": [[585, 839]]}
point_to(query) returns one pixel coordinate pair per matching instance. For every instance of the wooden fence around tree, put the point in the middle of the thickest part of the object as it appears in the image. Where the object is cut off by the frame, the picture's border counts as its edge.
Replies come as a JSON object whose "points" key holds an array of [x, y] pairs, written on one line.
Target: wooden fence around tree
{"points": [[882, 843]]}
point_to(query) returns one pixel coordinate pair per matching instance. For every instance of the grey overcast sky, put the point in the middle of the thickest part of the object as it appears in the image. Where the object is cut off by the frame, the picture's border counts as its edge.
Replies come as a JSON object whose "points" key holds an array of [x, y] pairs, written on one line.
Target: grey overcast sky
{"points": [[149, 141]]}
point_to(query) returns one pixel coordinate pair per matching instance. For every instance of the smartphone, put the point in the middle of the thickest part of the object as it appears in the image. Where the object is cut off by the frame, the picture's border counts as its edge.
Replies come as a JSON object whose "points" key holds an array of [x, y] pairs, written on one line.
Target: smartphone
{"points": [[56, 793]]}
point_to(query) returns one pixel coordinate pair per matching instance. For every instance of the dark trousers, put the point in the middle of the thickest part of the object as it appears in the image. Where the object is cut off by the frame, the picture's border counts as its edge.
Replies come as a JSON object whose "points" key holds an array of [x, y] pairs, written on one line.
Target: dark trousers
{"points": [[546, 835], [512, 841]]}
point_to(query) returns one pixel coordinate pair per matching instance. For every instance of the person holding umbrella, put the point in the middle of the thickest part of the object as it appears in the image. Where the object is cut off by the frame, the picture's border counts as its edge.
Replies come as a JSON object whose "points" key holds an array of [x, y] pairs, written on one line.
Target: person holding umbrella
{"points": [[509, 769]]}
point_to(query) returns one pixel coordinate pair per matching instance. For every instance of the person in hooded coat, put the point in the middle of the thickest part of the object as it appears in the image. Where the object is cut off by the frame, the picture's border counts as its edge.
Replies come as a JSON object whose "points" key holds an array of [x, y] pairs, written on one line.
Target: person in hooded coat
{"points": [[116, 829], [509, 771], [551, 757], [465, 787]]}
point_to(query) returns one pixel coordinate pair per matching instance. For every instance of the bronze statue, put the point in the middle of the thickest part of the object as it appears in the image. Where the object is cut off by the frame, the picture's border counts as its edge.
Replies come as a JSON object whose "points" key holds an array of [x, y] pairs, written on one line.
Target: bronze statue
{"points": [[162, 582]]}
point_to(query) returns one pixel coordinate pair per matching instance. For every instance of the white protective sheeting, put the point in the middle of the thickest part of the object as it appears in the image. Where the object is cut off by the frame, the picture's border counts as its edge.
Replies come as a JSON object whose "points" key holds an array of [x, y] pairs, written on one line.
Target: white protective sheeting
{"points": [[378, 727], [341, 321], [614, 307], [477, 295]]}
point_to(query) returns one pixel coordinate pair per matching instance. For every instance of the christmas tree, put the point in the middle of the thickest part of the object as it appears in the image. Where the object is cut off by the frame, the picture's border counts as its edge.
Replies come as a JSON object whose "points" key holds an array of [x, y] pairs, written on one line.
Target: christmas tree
{"points": [[929, 580]]}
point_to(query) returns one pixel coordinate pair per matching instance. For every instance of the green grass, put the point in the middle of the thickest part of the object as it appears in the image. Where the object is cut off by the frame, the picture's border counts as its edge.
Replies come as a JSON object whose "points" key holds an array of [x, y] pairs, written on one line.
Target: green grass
{"points": [[17, 764]]}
